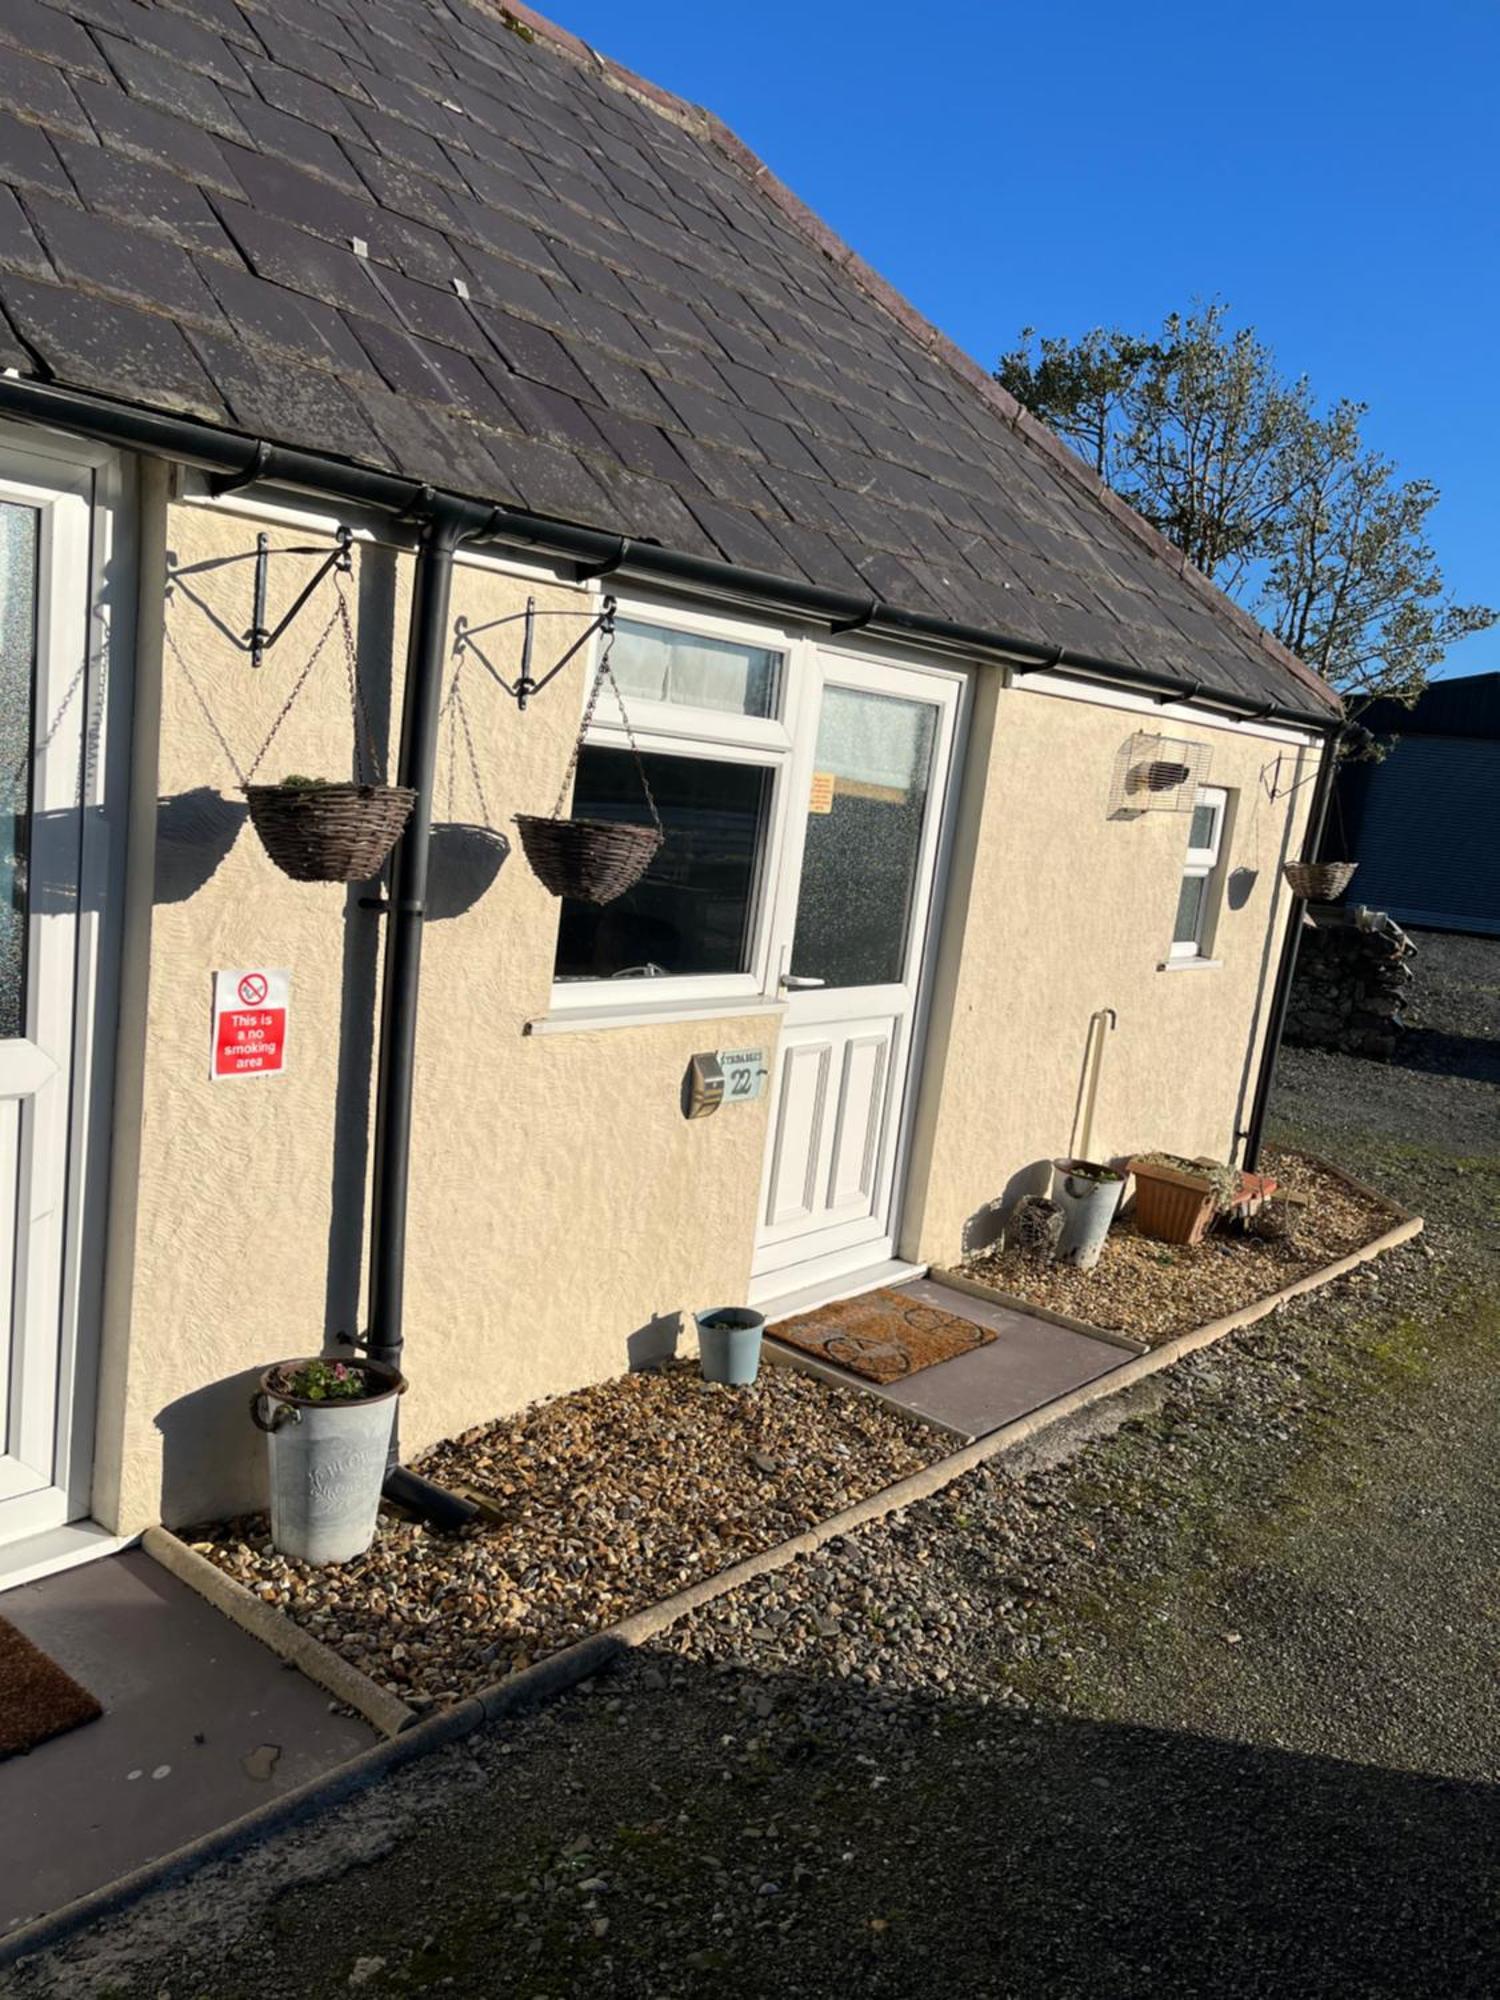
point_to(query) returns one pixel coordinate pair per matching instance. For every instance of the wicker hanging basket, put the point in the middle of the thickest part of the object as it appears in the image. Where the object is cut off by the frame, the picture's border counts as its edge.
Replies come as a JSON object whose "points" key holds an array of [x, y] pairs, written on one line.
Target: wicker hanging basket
{"points": [[329, 833], [592, 860], [1319, 881]]}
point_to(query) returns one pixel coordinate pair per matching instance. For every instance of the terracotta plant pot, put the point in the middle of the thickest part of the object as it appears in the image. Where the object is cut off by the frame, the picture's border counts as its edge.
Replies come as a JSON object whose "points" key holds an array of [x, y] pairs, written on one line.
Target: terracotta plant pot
{"points": [[1171, 1206]]}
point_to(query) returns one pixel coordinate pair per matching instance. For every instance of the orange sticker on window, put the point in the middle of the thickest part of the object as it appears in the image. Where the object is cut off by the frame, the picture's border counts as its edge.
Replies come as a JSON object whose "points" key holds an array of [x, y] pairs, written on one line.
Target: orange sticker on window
{"points": [[820, 799]]}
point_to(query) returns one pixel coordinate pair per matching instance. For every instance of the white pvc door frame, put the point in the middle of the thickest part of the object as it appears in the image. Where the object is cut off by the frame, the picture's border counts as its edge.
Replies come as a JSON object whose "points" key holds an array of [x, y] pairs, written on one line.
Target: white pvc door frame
{"points": [[840, 1248], [54, 1080]]}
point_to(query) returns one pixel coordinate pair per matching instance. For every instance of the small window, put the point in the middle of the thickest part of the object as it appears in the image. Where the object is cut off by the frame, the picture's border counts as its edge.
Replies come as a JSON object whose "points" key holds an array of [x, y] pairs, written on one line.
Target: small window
{"points": [[692, 912], [1191, 933], [691, 670]]}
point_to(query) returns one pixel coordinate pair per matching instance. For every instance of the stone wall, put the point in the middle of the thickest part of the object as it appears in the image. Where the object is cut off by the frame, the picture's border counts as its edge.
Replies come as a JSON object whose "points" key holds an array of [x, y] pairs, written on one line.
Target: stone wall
{"points": [[1353, 974]]}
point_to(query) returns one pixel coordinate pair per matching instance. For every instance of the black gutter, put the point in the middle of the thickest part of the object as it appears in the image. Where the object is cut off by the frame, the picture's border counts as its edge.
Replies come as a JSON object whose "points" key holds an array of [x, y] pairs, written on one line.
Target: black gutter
{"points": [[447, 524], [1286, 970], [238, 460]]}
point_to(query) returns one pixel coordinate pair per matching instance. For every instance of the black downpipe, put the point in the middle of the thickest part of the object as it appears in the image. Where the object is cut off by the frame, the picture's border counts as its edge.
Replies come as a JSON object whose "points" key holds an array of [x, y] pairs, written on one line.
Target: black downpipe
{"points": [[1286, 971], [448, 523]]}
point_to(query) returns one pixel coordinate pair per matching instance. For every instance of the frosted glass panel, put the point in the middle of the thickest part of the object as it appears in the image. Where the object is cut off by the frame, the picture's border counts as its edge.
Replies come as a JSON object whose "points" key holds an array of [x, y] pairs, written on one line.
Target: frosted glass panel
{"points": [[653, 664], [1189, 922], [1201, 833], [871, 776], [18, 558]]}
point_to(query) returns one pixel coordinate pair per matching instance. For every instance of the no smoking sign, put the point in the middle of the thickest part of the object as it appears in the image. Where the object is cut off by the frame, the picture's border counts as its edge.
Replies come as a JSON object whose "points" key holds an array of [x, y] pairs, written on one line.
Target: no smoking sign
{"points": [[250, 1022]]}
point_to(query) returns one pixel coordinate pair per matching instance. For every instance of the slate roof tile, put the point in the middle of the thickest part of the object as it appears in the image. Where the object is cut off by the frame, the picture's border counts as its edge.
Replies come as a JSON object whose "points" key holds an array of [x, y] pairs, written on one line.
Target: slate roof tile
{"points": [[28, 158], [155, 201], [98, 253], [657, 339], [261, 391], [111, 347], [298, 326], [44, 32], [39, 92], [169, 86], [20, 249], [139, 133]]}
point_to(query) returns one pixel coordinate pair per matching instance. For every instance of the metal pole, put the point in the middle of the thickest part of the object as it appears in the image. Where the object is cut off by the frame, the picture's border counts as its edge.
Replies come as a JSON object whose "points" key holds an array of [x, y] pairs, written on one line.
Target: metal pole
{"points": [[1286, 970], [448, 523]]}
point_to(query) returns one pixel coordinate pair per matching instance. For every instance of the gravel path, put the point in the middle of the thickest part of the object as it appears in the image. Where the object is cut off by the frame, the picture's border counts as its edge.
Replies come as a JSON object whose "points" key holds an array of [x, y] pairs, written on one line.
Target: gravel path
{"points": [[1197, 1697]]}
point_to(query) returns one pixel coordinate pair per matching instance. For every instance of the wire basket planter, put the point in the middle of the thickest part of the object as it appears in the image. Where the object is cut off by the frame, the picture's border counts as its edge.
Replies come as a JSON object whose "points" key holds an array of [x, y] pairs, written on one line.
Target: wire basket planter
{"points": [[1319, 881], [318, 832], [592, 860]]}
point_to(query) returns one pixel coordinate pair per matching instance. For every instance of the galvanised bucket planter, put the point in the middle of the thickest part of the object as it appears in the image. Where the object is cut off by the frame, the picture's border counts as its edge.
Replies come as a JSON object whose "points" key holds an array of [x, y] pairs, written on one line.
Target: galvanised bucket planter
{"points": [[1088, 1197], [327, 1462], [729, 1340]]}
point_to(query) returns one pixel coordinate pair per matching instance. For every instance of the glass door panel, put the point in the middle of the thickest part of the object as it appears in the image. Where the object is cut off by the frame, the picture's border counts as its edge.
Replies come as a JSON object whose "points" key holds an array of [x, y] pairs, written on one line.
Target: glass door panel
{"points": [[872, 771]]}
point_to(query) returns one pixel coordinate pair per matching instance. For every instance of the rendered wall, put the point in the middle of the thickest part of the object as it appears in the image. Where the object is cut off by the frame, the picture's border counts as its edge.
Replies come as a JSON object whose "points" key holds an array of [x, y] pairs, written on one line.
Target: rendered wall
{"points": [[562, 1209], [560, 1202], [1055, 908]]}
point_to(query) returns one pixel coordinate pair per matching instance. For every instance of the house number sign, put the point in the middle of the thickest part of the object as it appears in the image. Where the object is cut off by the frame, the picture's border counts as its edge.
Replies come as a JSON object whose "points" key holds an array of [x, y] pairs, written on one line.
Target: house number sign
{"points": [[725, 1076]]}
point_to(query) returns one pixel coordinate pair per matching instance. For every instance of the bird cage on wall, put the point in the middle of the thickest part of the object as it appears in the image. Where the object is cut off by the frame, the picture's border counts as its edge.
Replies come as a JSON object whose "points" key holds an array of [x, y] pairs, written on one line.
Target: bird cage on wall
{"points": [[1157, 774]]}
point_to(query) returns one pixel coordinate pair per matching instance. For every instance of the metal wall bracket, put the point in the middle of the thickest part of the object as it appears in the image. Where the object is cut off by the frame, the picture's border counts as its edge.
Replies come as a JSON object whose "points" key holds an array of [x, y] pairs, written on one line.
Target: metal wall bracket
{"points": [[260, 638], [526, 683]]}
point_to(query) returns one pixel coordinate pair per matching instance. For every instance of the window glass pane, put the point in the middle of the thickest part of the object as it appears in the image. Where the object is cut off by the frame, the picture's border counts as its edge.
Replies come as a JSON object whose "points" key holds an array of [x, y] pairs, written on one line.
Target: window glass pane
{"points": [[654, 664], [871, 772], [1189, 925], [691, 911], [1201, 833], [18, 560]]}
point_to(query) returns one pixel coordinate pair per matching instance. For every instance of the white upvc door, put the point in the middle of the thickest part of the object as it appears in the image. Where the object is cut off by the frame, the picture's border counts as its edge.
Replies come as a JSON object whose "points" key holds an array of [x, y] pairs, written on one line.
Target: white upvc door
{"points": [[54, 868], [852, 929]]}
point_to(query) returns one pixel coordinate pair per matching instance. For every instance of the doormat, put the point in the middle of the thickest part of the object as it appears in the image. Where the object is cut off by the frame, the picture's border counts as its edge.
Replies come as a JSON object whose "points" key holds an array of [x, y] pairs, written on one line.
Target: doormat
{"points": [[884, 1336], [37, 1699]]}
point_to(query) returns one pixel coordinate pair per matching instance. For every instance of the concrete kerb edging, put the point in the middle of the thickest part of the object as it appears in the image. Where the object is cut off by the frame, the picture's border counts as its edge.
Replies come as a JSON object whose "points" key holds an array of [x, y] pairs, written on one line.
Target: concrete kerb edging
{"points": [[330, 1670], [555, 1676]]}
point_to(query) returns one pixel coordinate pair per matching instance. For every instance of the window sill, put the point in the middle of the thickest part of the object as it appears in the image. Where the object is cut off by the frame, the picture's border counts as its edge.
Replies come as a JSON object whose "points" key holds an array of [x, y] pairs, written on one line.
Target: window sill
{"points": [[649, 1014], [1190, 965]]}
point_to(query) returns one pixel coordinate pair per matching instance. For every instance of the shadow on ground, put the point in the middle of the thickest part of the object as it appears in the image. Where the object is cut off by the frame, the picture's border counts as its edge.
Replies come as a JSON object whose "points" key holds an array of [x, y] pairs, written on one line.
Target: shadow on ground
{"points": [[753, 1836]]}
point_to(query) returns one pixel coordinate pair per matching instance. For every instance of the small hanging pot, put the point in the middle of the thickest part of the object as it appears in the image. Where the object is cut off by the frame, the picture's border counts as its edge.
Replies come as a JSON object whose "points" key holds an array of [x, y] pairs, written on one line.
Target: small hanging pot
{"points": [[1319, 881], [318, 832], [592, 860]]}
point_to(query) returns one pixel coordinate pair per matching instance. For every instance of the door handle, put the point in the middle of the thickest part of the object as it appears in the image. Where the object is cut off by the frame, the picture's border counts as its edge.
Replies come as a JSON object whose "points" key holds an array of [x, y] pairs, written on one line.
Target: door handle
{"points": [[796, 982]]}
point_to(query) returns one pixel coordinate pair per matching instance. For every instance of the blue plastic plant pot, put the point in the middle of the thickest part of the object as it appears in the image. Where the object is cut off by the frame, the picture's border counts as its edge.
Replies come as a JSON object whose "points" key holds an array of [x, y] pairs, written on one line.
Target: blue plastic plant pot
{"points": [[729, 1340]]}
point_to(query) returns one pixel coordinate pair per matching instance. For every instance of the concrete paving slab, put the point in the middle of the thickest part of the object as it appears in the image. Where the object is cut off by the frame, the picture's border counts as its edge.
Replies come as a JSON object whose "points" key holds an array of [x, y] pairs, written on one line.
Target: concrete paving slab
{"points": [[1030, 1363], [201, 1723]]}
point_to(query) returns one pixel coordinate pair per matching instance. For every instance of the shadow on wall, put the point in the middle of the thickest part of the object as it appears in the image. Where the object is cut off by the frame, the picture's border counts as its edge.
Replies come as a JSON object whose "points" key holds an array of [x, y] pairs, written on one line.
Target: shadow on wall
{"points": [[986, 1225], [654, 1344], [465, 858], [194, 832], [209, 1442]]}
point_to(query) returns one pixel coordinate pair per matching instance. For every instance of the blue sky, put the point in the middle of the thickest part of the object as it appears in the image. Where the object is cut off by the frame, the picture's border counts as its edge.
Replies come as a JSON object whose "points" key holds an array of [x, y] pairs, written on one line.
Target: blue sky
{"points": [[1329, 169]]}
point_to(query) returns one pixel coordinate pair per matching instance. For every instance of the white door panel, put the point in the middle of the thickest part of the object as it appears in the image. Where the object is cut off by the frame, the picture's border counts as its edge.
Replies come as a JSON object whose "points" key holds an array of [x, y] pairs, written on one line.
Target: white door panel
{"points": [[54, 626], [852, 922]]}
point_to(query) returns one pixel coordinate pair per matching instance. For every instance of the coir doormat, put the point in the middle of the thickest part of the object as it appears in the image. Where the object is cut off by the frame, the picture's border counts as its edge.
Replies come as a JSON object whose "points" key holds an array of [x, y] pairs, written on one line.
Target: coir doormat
{"points": [[882, 1335], [37, 1699]]}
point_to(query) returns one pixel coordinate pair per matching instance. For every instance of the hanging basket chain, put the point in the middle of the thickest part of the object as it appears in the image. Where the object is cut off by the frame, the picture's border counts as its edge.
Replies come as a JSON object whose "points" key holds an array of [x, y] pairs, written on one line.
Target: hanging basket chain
{"points": [[605, 672], [198, 695], [457, 711]]}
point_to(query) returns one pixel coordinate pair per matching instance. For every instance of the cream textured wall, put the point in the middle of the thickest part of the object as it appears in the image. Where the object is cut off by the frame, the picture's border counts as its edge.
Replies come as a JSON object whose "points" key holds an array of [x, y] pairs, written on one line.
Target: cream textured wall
{"points": [[560, 1202], [562, 1209], [1056, 909]]}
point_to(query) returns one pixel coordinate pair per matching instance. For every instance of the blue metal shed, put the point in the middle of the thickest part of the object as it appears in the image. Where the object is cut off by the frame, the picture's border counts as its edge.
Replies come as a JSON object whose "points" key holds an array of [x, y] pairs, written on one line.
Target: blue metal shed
{"points": [[1424, 823]]}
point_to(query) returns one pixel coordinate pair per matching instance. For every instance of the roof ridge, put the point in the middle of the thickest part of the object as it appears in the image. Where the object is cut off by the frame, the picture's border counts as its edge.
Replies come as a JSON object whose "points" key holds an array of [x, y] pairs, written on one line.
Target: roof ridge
{"points": [[1038, 435]]}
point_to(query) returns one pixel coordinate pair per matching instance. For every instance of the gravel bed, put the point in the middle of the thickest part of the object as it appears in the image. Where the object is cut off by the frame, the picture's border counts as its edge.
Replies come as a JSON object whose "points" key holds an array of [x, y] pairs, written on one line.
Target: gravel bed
{"points": [[1154, 1291], [609, 1499]]}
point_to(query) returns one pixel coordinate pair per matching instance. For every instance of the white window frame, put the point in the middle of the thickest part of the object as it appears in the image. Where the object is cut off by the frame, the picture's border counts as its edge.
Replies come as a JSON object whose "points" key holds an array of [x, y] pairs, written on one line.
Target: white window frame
{"points": [[1202, 863], [711, 735]]}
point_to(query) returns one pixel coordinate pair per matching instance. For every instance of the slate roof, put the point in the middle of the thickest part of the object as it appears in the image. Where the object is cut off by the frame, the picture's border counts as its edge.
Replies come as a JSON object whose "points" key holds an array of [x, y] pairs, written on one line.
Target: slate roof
{"points": [[401, 232]]}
